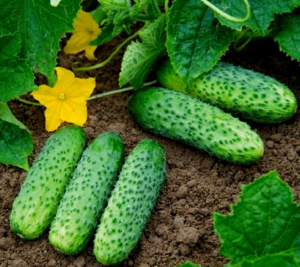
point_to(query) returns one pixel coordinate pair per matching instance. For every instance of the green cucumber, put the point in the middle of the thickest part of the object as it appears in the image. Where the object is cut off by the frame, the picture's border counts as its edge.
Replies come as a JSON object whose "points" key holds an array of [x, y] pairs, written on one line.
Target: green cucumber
{"points": [[180, 117], [35, 206], [243, 92], [130, 205], [86, 195]]}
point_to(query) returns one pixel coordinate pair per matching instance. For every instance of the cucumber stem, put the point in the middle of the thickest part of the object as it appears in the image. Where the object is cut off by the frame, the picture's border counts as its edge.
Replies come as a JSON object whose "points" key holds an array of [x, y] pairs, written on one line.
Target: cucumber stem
{"points": [[121, 90], [167, 7], [98, 14], [245, 36], [241, 36], [227, 16], [155, 8], [28, 102], [103, 63]]}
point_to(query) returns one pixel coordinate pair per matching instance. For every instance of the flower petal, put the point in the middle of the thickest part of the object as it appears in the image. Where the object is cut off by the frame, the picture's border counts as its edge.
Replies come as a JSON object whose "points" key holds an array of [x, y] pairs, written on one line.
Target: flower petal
{"points": [[83, 20], [89, 52], [77, 116], [80, 90], [45, 95], [85, 30], [65, 79], [53, 117], [77, 43]]}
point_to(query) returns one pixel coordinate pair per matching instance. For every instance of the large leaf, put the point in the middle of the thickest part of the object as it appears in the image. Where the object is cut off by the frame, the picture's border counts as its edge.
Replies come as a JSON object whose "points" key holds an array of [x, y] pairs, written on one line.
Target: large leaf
{"points": [[189, 264], [40, 27], [264, 222], [105, 35], [262, 12], [6, 115], [286, 31], [15, 76], [114, 4], [139, 57], [278, 259], [9, 19], [15, 140], [196, 40]]}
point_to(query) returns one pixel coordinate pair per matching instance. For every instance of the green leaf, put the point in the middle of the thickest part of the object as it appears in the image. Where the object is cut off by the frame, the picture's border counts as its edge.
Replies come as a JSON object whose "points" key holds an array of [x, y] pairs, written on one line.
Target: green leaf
{"points": [[286, 31], [196, 40], [9, 19], [15, 140], [15, 76], [139, 57], [40, 27], [189, 264], [117, 20], [114, 4], [265, 221], [105, 35], [6, 115], [279, 259], [262, 12]]}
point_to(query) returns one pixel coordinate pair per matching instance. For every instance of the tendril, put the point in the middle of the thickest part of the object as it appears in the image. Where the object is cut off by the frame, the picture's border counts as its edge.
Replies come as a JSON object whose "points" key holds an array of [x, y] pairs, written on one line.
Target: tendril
{"points": [[227, 16]]}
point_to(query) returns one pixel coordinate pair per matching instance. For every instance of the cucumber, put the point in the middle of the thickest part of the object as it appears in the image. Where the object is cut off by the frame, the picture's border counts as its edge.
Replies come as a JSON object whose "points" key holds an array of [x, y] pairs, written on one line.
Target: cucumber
{"points": [[130, 205], [245, 93], [87, 193], [35, 206], [180, 117]]}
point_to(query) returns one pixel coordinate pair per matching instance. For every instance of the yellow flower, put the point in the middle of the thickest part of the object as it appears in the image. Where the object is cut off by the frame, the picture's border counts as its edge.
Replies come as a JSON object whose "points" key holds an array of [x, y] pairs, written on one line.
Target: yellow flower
{"points": [[66, 101], [85, 31]]}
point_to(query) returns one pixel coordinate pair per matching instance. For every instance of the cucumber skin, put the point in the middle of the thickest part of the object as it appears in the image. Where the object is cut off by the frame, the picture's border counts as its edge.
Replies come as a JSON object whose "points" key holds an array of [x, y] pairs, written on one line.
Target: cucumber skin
{"points": [[250, 94], [35, 206], [180, 117], [131, 203], [87, 193]]}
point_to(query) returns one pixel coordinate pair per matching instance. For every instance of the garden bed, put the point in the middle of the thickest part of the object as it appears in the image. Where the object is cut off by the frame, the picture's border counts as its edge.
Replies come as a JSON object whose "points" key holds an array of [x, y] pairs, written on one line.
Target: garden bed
{"points": [[197, 185]]}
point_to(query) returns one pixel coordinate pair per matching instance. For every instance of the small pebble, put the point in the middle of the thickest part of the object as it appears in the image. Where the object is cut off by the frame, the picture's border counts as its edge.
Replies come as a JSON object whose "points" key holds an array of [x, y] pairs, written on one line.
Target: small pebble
{"points": [[270, 144], [79, 262], [182, 191]]}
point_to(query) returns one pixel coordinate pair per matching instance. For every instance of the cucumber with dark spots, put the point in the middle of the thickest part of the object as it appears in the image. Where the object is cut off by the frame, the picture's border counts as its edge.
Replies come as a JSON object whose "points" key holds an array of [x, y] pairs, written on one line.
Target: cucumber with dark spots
{"points": [[183, 118], [87, 193], [243, 92], [130, 205], [35, 206]]}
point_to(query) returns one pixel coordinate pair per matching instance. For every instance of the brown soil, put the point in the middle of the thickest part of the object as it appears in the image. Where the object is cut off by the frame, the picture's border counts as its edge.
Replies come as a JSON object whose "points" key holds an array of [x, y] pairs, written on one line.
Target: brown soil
{"points": [[197, 185]]}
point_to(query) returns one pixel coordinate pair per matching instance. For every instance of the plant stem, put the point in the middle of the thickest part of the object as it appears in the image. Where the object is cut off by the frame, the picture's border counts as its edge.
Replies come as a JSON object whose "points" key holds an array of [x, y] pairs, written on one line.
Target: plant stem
{"points": [[103, 63], [247, 33], [227, 16], [155, 8], [167, 7], [98, 14], [28, 102], [119, 91], [51, 79], [145, 17], [242, 36]]}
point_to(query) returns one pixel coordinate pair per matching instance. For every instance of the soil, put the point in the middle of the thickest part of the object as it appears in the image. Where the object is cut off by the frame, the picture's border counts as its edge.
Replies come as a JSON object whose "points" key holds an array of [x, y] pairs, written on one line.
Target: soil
{"points": [[197, 185]]}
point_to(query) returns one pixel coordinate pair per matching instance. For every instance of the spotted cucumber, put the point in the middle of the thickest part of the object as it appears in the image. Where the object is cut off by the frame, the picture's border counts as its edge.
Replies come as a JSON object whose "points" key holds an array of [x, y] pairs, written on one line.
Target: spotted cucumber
{"points": [[130, 205], [181, 117], [246, 93], [87, 193], [35, 206]]}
